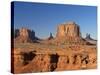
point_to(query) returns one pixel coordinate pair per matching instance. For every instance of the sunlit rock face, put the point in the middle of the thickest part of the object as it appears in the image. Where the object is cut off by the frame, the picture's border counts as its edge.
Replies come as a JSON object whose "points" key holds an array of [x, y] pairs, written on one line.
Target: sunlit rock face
{"points": [[24, 35], [24, 32], [30, 61], [70, 29], [69, 33], [61, 31]]}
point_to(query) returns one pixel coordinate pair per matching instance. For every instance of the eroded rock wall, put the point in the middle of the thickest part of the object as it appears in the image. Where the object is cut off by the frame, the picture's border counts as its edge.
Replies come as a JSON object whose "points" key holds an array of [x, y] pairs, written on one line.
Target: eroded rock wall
{"points": [[33, 62], [24, 35], [70, 29]]}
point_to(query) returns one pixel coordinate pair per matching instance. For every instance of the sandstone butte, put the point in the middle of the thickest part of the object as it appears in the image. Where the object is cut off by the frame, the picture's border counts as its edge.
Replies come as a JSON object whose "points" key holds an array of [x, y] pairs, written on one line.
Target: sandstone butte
{"points": [[68, 50]]}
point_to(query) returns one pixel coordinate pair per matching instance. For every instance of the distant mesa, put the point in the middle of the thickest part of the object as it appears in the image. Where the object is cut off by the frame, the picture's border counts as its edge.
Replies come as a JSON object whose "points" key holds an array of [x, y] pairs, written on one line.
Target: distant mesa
{"points": [[24, 35], [67, 33], [70, 29]]}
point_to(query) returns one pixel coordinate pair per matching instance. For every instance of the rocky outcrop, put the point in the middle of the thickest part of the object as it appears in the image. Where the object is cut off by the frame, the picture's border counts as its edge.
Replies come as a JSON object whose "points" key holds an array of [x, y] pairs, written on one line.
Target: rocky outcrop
{"points": [[90, 40], [16, 33], [61, 31], [26, 62], [70, 29], [24, 35], [50, 37], [69, 33]]}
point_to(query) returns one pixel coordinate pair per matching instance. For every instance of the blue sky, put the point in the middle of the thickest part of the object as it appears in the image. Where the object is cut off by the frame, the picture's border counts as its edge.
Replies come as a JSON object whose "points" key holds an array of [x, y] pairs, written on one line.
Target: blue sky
{"points": [[43, 18]]}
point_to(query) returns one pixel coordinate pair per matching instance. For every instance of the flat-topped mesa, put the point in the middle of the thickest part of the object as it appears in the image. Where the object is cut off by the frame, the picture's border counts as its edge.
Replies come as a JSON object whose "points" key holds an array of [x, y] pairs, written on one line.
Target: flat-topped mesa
{"points": [[69, 33], [24, 35], [69, 29]]}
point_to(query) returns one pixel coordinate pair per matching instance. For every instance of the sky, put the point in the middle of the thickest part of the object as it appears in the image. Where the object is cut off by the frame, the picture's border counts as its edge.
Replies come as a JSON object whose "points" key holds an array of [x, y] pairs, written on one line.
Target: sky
{"points": [[44, 18]]}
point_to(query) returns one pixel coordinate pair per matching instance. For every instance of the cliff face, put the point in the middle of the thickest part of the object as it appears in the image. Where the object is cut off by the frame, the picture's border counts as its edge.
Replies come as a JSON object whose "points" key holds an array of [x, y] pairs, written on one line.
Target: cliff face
{"points": [[69, 33], [61, 31], [24, 35], [26, 62], [70, 29]]}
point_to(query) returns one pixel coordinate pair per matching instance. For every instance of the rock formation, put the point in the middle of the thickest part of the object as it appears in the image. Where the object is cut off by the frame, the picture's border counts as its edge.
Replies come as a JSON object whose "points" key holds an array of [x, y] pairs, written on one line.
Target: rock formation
{"points": [[69, 33], [50, 37], [28, 62], [67, 51], [70, 29], [90, 40], [61, 31], [24, 35], [16, 33]]}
